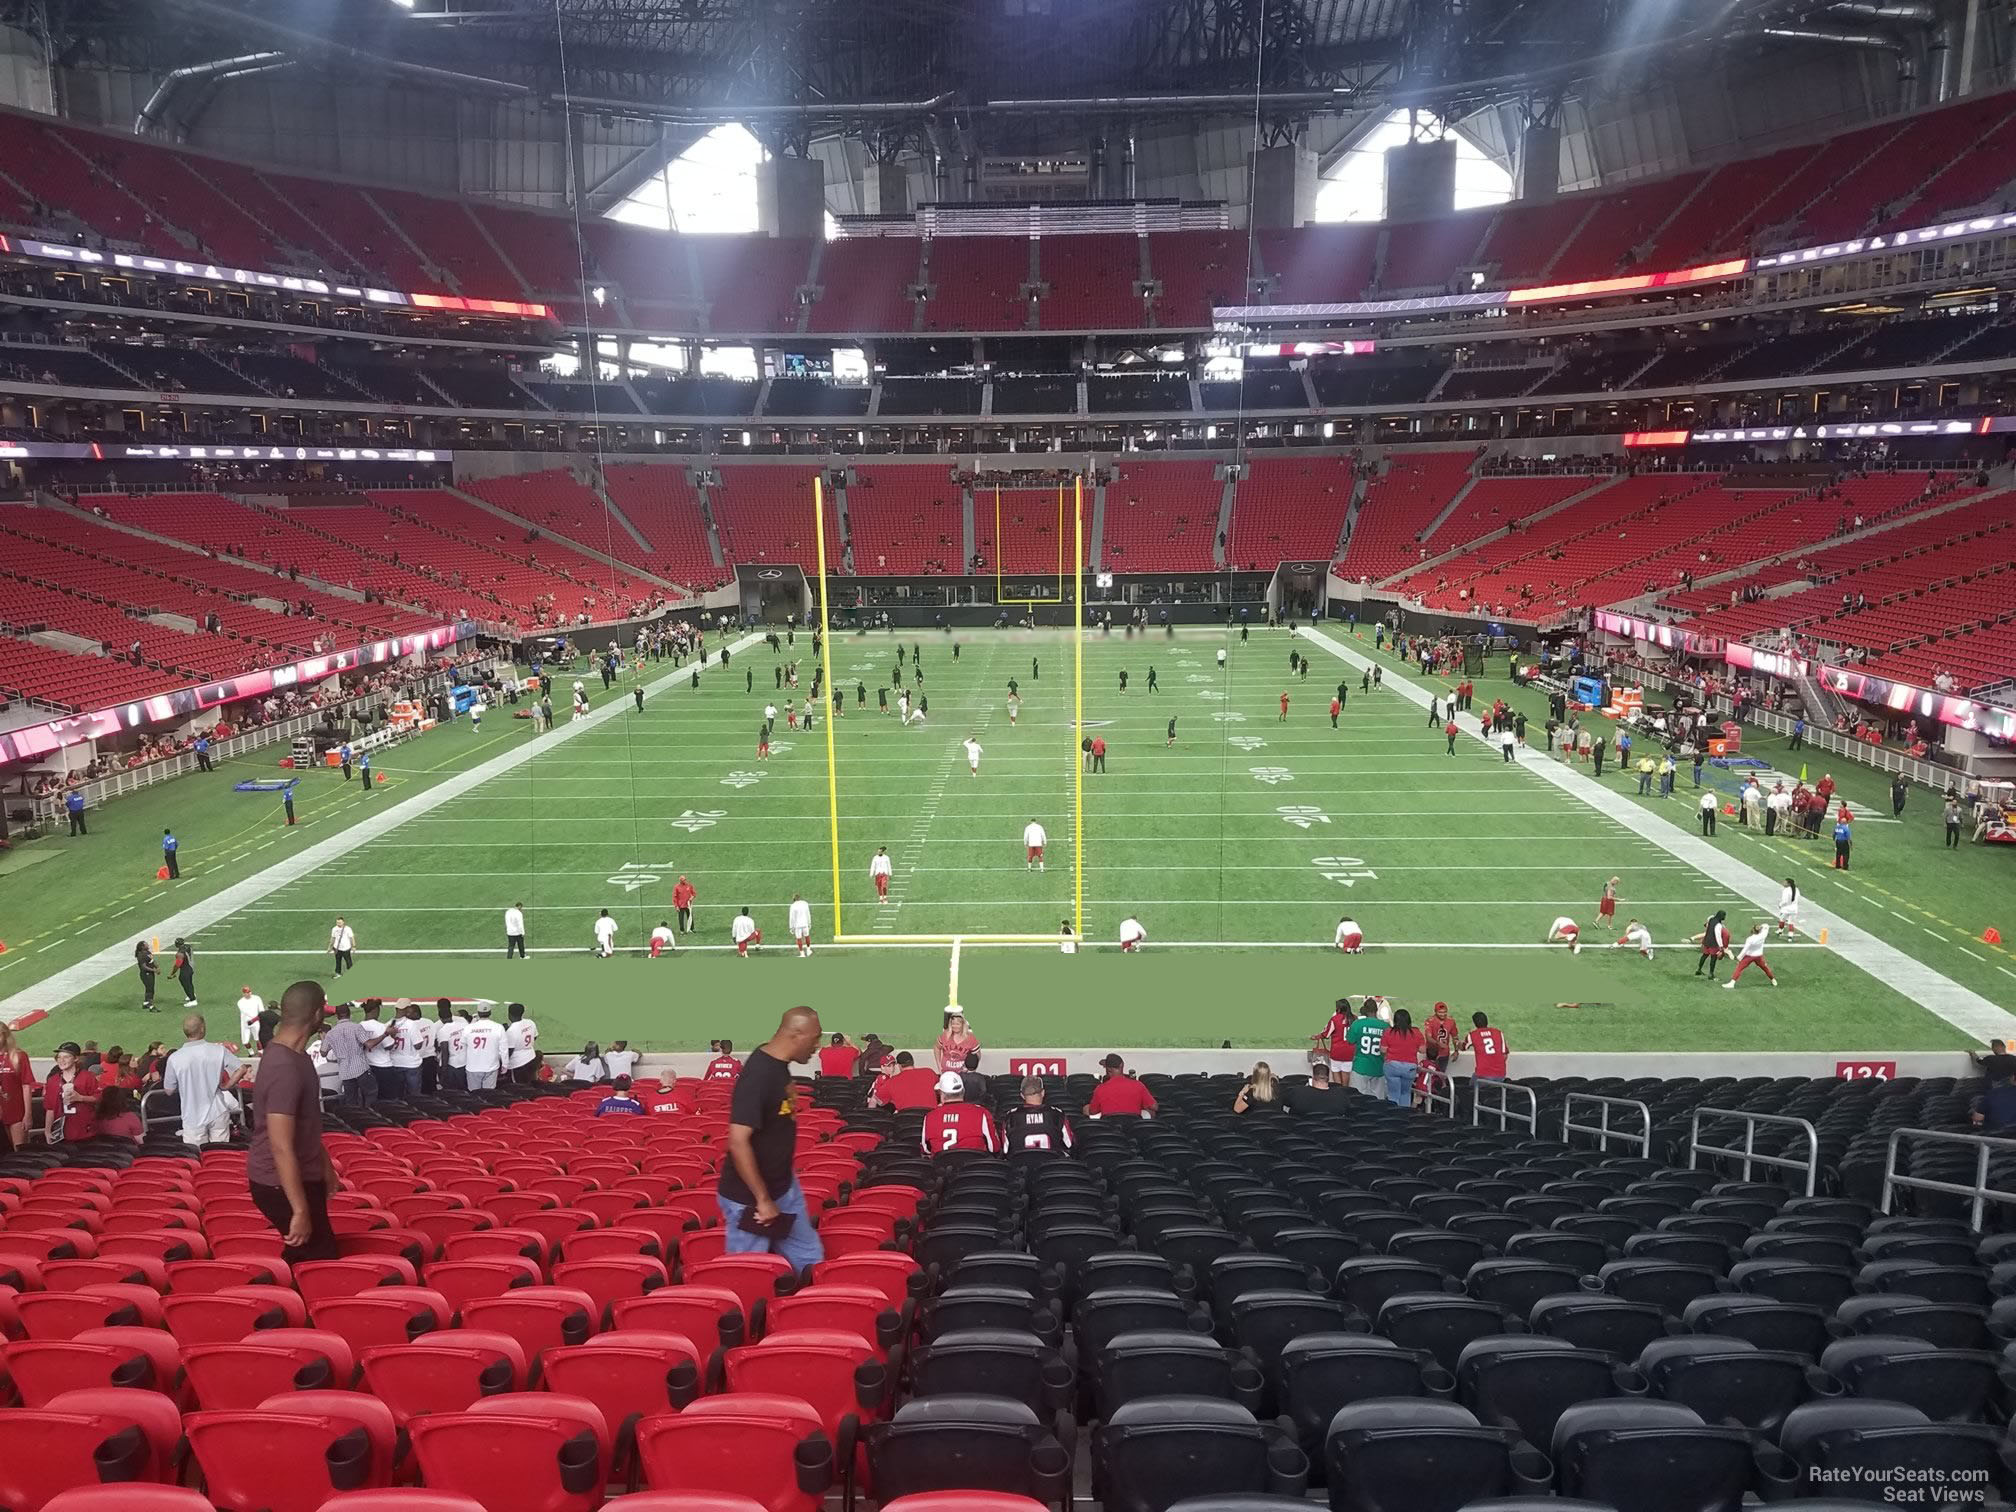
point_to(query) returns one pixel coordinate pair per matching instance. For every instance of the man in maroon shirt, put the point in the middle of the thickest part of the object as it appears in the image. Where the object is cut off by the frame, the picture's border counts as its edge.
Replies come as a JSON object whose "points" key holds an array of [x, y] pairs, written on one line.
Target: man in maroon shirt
{"points": [[285, 1167], [1119, 1095]]}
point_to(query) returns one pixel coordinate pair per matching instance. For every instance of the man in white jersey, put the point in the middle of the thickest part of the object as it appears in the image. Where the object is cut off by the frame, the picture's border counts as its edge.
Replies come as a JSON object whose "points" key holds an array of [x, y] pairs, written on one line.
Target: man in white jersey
{"points": [[1350, 938], [476, 716], [451, 1043], [514, 931], [1014, 707], [1566, 931], [880, 870], [744, 933], [410, 1040], [662, 940], [799, 918], [484, 1053], [250, 1006], [1033, 840], [972, 754], [605, 935], [201, 1075], [521, 1045], [1752, 954], [1637, 936], [1132, 935]]}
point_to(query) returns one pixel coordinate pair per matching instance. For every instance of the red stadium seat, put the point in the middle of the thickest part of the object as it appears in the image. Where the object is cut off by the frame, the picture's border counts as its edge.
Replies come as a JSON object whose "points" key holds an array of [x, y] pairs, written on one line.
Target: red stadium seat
{"points": [[224, 1316], [629, 1376], [750, 1277], [129, 1498], [274, 1461], [528, 1452], [43, 1369], [769, 1449], [466, 1281], [612, 1278], [898, 1277], [538, 1317], [156, 1416], [316, 1279], [238, 1377], [388, 1315], [444, 1372], [43, 1453], [707, 1317]]}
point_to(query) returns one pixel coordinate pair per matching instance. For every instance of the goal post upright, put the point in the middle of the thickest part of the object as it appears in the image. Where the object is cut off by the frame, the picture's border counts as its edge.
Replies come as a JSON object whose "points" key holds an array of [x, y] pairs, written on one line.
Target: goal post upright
{"points": [[1078, 702], [826, 666]]}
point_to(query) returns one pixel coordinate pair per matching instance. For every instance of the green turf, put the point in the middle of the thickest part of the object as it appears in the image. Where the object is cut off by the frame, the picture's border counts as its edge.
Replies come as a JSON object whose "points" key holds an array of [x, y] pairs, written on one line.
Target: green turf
{"points": [[1455, 866]]}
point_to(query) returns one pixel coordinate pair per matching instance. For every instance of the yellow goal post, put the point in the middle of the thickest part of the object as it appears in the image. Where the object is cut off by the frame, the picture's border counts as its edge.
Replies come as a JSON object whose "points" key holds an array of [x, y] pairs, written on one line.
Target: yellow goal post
{"points": [[961, 936]]}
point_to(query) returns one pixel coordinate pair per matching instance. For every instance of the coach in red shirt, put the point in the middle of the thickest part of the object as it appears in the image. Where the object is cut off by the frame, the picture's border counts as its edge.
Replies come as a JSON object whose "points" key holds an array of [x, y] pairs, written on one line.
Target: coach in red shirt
{"points": [[1119, 1095], [956, 1125]]}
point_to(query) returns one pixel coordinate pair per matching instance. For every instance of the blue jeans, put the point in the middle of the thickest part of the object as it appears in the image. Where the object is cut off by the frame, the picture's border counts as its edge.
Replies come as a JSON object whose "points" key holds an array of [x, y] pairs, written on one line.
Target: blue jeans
{"points": [[1400, 1084], [801, 1246]]}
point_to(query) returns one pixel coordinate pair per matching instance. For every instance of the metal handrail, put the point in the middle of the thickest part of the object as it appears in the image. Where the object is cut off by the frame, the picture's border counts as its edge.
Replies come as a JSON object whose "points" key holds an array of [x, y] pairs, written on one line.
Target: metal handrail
{"points": [[1431, 1098], [1985, 1145], [1748, 1154], [1603, 1132], [1506, 1116]]}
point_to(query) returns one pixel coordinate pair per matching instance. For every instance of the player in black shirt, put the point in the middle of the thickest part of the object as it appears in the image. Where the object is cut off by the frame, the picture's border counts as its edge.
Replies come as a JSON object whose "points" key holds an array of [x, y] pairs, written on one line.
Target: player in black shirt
{"points": [[757, 1182], [1034, 1130]]}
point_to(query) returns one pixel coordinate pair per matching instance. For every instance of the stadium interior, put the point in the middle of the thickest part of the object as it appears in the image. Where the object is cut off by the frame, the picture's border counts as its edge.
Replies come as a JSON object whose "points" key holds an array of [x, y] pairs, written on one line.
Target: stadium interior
{"points": [[366, 364]]}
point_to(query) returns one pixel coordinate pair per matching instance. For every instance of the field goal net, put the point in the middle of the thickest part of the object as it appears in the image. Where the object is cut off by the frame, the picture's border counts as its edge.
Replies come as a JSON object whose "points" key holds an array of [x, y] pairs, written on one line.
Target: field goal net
{"points": [[1058, 533]]}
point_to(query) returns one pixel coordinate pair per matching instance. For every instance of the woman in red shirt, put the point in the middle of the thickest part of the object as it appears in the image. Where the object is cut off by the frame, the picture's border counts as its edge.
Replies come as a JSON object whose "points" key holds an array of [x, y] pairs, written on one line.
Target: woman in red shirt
{"points": [[956, 1043], [1403, 1044], [69, 1098], [116, 1118], [16, 1076]]}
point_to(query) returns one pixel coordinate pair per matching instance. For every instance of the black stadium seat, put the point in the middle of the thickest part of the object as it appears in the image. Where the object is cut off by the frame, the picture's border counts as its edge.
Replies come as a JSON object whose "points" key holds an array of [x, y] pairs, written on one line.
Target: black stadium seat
{"points": [[1424, 1456], [1526, 1381], [1154, 1452], [1651, 1456]]}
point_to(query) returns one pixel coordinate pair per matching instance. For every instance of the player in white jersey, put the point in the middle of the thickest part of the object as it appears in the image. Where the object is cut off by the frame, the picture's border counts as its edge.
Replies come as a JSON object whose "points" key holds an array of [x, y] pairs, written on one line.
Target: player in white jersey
{"points": [[1033, 840], [1014, 707], [1350, 938], [744, 933], [800, 919], [1565, 930], [1752, 954], [880, 870], [903, 707], [1788, 908], [605, 935], [1637, 936], [972, 754], [250, 1006], [662, 940], [1132, 935]]}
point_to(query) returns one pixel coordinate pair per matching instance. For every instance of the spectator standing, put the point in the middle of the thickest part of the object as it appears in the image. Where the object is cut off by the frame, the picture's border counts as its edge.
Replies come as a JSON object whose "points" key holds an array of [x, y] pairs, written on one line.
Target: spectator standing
{"points": [[905, 1084], [69, 1098], [1487, 1048], [434, 1064], [201, 1076], [621, 1060], [762, 1205], [16, 1076], [344, 1045], [956, 1043], [521, 1046], [1368, 1051], [410, 1039], [285, 1167], [485, 1055], [1119, 1095], [1402, 1047], [378, 1043]]}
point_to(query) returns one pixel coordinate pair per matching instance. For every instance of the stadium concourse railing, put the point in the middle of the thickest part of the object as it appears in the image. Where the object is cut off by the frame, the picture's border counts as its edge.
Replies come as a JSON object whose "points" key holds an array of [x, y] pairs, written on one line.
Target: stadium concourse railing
{"points": [[1601, 1130], [1747, 1153], [1980, 1193], [1926, 773], [1500, 1108]]}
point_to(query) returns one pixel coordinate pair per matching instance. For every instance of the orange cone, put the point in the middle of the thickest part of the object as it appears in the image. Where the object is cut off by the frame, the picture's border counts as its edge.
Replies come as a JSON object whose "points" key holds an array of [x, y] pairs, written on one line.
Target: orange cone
{"points": [[1728, 808], [381, 779], [3, 947], [1991, 936], [160, 874]]}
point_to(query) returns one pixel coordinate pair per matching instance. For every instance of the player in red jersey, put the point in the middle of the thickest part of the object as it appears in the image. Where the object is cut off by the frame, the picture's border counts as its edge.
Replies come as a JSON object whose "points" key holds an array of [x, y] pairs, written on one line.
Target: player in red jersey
{"points": [[881, 868], [1488, 1046], [1284, 705], [957, 1125], [1606, 906], [724, 1066]]}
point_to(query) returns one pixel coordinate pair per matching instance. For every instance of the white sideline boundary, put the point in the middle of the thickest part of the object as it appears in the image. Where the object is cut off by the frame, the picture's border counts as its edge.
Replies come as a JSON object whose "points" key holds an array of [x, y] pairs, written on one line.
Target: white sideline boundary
{"points": [[1963, 1008], [60, 987]]}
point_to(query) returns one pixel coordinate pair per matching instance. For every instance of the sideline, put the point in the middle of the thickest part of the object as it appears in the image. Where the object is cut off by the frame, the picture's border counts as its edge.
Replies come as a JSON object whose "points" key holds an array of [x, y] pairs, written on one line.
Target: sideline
{"points": [[60, 987], [1939, 995]]}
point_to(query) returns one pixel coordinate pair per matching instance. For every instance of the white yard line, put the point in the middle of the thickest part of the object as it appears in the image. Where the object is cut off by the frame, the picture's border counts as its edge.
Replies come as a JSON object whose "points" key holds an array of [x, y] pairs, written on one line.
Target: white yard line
{"points": [[970, 945], [1133, 901], [60, 987], [1938, 994]]}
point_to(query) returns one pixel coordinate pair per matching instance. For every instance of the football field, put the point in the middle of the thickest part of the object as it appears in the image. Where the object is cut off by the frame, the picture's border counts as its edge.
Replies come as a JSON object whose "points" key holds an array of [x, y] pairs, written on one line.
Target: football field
{"points": [[1238, 846]]}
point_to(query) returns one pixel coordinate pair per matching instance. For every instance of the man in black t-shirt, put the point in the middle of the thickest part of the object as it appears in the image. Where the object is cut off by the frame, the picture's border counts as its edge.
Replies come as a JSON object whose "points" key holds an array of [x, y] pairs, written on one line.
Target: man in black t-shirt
{"points": [[1320, 1097], [1032, 1130], [757, 1182]]}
